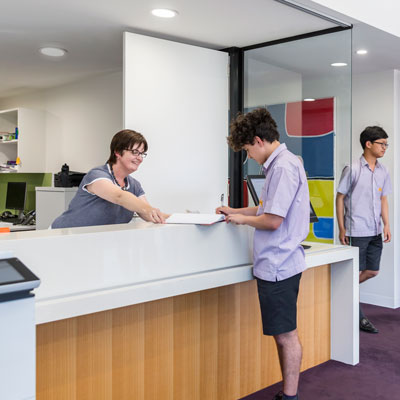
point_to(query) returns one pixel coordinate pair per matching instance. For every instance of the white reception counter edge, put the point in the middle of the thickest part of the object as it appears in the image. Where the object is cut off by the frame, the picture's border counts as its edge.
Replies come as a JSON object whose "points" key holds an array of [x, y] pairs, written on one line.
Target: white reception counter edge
{"points": [[92, 269]]}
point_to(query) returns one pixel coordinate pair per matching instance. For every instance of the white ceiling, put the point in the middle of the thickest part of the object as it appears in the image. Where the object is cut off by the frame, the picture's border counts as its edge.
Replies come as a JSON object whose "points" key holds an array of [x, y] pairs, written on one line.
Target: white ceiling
{"points": [[91, 32]]}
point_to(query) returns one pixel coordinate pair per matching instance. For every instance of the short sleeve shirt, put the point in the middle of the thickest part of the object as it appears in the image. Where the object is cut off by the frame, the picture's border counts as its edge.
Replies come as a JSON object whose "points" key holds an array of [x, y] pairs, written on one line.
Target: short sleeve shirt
{"points": [[88, 209], [363, 190], [278, 254]]}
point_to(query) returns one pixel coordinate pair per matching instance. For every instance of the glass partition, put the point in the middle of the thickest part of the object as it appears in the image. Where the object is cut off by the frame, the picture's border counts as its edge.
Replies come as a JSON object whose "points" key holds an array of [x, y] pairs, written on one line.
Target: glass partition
{"points": [[306, 86]]}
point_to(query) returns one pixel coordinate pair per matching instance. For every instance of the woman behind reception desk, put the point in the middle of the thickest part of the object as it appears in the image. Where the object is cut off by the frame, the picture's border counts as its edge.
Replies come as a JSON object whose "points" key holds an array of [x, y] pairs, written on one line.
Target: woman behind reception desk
{"points": [[108, 194]]}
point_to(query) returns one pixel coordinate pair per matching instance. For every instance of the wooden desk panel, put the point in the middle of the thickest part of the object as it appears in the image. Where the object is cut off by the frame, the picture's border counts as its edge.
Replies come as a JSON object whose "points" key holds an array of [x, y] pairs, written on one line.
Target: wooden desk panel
{"points": [[204, 345]]}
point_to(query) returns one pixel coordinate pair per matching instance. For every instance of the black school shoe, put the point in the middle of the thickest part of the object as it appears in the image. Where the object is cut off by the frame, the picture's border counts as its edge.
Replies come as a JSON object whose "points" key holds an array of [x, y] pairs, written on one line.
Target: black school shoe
{"points": [[367, 326], [279, 396]]}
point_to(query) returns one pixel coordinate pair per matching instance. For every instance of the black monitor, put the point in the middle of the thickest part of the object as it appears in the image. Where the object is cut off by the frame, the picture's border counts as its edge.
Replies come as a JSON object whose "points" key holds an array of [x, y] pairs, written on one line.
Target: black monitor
{"points": [[16, 194], [255, 184]]}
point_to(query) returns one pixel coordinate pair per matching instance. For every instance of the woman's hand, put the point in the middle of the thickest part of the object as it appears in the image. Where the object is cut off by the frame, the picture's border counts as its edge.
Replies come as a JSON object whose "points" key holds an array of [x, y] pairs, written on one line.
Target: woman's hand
{"points": [[152, 214]]}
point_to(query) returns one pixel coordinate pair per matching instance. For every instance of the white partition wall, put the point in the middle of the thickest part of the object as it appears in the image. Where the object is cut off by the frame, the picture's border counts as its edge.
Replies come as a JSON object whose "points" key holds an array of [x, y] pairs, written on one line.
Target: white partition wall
{"points": [[176, 95]]}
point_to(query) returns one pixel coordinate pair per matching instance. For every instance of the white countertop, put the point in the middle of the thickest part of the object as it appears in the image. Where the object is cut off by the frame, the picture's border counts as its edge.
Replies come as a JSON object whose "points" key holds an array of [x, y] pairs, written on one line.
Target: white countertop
{"points": [[91, 269]]}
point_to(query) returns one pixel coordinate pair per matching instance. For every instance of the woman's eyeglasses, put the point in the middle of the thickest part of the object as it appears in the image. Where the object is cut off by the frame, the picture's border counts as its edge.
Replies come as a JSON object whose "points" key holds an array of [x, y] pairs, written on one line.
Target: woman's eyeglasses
{"points": [[137, 153]]}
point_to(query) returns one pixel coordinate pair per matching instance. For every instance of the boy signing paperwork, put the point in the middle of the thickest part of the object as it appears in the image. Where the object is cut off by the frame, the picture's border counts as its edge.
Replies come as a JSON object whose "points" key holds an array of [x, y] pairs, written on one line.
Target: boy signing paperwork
{"points": [[282, 222], [361, 203]]}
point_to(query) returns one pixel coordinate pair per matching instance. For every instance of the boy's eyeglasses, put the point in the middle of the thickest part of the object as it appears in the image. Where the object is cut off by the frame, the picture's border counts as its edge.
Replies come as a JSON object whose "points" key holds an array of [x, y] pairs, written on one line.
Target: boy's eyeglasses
{"points": [[137, 153], [384, 145]]}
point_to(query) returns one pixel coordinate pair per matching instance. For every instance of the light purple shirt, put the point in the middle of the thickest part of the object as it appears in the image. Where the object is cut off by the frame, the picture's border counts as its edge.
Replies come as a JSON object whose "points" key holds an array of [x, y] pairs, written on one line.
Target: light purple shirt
{"points": [[278, 254], [363, 200]]}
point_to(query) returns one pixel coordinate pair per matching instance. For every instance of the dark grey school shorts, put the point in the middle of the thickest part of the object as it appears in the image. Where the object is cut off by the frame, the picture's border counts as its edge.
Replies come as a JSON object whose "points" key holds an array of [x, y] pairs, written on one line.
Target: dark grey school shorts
{"points": [[278, 304], [370, 250]]}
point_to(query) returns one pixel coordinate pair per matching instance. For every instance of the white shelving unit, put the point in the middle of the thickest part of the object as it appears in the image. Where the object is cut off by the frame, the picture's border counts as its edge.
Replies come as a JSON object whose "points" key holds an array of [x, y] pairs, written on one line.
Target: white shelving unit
{"points": [[30, 144]]}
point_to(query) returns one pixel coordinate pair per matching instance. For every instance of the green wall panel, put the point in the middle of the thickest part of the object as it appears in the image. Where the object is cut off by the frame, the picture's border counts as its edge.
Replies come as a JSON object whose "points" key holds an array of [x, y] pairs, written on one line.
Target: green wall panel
{"points": [[32, 180]]}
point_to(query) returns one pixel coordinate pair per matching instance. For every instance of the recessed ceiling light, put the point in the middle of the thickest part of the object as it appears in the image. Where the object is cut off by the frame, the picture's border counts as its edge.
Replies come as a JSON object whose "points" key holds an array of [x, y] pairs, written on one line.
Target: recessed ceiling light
{"points": [[339, 64], [53, 51], [164, 13], [310, 99], [362, 51]]}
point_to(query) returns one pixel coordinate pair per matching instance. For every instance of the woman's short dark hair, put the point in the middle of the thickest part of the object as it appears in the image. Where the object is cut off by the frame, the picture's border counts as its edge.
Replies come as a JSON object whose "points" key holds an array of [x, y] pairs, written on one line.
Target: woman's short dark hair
{"points": [[246, 127], [372, 133], [125, 139]]}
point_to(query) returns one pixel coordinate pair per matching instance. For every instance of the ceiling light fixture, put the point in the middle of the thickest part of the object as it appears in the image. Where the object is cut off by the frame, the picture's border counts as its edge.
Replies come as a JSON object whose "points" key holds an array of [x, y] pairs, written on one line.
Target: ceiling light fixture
{"points": [[339, 64], [362, 51], [309, 99], [164, 13], [53, 51]]}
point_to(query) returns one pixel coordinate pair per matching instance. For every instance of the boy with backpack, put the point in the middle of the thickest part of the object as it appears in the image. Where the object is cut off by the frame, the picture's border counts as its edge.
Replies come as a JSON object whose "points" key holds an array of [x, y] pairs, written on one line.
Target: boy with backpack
{"points": [[361, 205]]}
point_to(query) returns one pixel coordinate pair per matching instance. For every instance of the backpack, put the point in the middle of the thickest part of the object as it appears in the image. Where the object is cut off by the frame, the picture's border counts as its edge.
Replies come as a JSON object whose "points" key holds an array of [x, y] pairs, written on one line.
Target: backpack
{"points": [[355, 170]]}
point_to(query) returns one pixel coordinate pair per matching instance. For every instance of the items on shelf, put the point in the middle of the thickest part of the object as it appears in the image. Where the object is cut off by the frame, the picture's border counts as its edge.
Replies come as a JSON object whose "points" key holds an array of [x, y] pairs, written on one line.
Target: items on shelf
{"points": [[8, 137], [10, 166]]}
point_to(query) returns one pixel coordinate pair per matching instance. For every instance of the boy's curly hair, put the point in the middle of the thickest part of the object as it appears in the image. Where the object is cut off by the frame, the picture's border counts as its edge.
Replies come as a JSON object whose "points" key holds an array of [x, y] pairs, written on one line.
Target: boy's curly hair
{"points": [[246, 127]]}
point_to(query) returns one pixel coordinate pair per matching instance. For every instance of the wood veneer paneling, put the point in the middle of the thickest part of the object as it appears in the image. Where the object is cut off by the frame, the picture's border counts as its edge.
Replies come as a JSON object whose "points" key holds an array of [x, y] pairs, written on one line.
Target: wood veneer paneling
{"points": [[201, 346]]}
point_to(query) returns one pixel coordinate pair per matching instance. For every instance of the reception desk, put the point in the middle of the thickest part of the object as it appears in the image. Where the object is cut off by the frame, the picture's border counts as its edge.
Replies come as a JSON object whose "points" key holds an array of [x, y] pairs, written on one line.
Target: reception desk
{"points": [[143, 311]]}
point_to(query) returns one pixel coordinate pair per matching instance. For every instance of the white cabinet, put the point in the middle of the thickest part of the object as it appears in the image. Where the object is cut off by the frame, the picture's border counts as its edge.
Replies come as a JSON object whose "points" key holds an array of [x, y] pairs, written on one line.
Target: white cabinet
{"points": [[30, 145], [50, 203]]}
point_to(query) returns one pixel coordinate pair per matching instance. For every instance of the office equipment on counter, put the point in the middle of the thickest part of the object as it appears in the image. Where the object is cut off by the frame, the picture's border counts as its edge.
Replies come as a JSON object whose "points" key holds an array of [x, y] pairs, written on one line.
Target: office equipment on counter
{"points": [[15, 197], [255, 184], [17, 333], [10, 227], [67, 178], [27, 219], [8, 216], [197, 219], [12, 223]]}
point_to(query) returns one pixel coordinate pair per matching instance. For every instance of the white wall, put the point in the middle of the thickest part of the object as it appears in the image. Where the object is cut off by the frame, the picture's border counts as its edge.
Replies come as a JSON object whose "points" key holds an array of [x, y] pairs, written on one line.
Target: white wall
{"points": [[176, 95], [375, 102], [81, 119]]}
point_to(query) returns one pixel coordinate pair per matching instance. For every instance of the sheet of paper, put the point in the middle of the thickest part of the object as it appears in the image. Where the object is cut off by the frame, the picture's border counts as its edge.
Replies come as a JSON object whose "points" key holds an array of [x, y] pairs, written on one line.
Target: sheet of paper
{"points": [[201, 219]]}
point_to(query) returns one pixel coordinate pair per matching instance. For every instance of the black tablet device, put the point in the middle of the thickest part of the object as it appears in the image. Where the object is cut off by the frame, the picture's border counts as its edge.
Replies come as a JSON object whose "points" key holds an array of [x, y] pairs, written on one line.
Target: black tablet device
{"points": [[15, 276], [255, 184]]}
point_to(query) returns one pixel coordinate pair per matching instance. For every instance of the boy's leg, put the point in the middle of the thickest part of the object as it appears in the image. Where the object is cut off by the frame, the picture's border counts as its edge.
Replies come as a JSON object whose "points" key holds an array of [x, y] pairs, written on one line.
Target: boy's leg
{"points": [[290, 353], [278, 304], [362, 244], [370, 251]]}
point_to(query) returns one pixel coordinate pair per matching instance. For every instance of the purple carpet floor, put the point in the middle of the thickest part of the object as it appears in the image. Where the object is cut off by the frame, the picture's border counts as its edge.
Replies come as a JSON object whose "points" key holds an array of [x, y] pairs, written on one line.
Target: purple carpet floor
{"points": [[376, 377]]}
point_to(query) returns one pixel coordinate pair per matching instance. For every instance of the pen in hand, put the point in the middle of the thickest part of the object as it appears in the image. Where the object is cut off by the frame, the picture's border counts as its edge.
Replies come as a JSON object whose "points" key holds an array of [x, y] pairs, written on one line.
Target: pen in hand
{"points": [[222, 204]]}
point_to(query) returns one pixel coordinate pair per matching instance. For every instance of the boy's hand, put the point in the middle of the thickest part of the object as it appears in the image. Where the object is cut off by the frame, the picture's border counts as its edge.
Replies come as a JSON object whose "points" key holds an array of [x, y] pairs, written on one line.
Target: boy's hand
{"points": [[387, 236], [224, 210], [342, 236], [238, 219]]}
